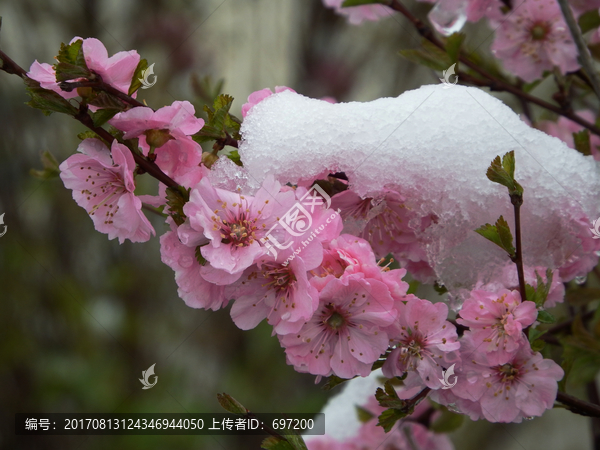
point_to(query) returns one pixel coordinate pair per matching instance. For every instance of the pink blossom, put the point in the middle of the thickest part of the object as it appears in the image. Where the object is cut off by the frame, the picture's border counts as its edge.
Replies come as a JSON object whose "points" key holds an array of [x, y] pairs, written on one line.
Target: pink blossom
{"points": [[584, 257], [535, 38], [117, 70], [307, 223], [524, 386], [348, 256], [235, 223], [357, 14], [477, 9], [508, 279], [195, 291], [168, 130], [258, 96], [497, 320], [280, 293], [564, 128], [44, 74], [384, 222], [104, 187], [424, 339], [346, 333]]}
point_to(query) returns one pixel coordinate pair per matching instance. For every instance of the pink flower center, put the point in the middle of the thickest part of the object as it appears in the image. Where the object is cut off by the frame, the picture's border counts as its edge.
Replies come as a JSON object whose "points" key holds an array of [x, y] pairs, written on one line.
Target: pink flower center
{"points": [[111, 187], [507, 373], [238, 229], [334, 319], [360, 210], [279, 277], [539, 31]]}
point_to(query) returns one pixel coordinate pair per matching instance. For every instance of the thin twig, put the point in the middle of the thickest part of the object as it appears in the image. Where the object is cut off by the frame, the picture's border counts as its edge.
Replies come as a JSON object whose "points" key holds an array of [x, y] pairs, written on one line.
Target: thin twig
{"points": [[517, 201], [585, 58], [577, 405], [9, 66], [101, 85]]}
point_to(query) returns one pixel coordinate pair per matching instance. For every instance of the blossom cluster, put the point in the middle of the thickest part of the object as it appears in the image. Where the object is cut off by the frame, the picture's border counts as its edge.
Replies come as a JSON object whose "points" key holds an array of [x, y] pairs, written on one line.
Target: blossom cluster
{"points": [[316, 266]]}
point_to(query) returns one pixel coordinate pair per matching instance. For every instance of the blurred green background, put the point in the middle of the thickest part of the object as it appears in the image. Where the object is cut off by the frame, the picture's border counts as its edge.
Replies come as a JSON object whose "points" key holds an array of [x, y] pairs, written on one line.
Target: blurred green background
{"points": [[80, 316]]}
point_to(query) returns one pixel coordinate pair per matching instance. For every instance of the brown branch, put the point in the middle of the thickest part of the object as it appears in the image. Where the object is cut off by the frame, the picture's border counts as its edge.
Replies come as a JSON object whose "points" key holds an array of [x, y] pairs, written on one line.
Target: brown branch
{"points": [[9, 66], [489, 81], [517, 201], [101, 85], [148, 166], [585, 58], [577, 405]]}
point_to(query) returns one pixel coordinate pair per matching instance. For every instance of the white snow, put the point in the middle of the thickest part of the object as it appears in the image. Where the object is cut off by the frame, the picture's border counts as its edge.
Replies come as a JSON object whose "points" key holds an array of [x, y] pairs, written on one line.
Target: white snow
{"points": [[434, 145]]}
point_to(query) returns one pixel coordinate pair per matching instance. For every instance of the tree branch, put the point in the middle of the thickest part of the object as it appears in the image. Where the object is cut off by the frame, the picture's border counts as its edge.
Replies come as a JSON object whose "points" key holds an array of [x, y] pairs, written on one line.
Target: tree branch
{"points": [[517, 201], [577, 405], [584, 55], [489, 81], [101, 85], [148, 166], [9, 66]]}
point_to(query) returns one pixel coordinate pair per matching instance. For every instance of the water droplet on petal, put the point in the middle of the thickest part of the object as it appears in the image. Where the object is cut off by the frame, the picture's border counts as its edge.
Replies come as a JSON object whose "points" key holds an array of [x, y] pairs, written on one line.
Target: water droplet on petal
{"points": [[453, 408], [597, 252], [448, 16], [581, 280]]}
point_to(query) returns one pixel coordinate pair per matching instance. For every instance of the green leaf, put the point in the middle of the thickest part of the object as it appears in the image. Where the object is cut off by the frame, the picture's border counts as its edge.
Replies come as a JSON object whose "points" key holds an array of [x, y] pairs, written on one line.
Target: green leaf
{"points": [[50, 167], [499, 234], [503, 172], [453, 46], [389, 417], [71, 62], [528, 87], [388, 397], [508, 164], [230, 404], [276, 443], [530, 292], [296, 441], [219, 122], [589, 21], [363, 415], [545, 317], [136, 82], [350, 3], [582, 142], [447, 422], [234, 155], [429, 56], [72, 54], [581, 354], [332, 382], [538, 345], [46, 100], [176, 199], [105, 100], [88, 134], [102, 116], [534, 334]]}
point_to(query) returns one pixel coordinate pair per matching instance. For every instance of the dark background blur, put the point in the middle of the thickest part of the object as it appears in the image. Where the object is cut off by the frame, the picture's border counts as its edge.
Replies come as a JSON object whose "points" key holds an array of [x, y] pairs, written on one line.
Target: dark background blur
{"points": [[80, 316]]}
